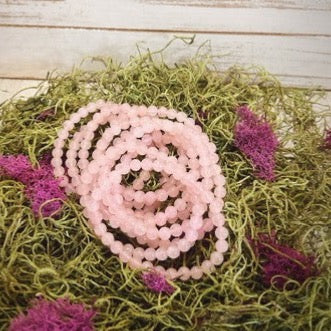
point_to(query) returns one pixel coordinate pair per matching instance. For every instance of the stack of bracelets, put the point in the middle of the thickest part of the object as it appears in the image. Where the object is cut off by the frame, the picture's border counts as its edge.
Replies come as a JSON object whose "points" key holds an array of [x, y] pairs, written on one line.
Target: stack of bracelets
{"points": [[140, 140]]}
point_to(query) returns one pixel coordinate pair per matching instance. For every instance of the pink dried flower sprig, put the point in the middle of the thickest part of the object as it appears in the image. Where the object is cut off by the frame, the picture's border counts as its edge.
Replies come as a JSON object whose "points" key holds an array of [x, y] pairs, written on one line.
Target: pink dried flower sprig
{"points": [[40, 184], [157, 282], [58, 315], [255, 138], [50, 112], [281, 262], [327, 140]]}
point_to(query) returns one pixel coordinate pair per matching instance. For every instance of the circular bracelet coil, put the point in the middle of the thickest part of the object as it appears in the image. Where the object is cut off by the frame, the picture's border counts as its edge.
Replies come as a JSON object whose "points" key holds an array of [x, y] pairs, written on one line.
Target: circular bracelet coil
{"points": [[137, 139]]}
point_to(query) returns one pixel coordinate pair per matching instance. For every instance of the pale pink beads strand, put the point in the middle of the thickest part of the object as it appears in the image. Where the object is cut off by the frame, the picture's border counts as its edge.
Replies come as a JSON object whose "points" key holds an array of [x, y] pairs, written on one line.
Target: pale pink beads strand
{"points": [[193, 179]]}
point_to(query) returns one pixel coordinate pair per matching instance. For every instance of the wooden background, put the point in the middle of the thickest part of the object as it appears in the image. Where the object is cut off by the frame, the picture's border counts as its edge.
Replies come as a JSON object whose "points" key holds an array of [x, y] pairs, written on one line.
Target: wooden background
{"points": [[291, 38]]}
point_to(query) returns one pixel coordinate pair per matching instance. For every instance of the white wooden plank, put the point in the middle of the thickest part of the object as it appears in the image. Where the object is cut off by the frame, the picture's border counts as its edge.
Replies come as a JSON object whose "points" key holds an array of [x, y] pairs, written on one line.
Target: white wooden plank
{"points": [[283, 4], [34, 52], [195, 16], [18, 88]]}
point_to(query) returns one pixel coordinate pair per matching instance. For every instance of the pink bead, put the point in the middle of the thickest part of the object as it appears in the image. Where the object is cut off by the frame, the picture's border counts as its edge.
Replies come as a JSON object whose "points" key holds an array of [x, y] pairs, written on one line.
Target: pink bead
{"points": [[180, 204], [124, 256], [146, 164], [150, 198], [196, 222], [207, 266], [157, 166], [100, 229], [150, 254], [184, 273], [152, 233], [135, 165], [173, 252], [208, 225], [170, 212], [139, 196], [221, 246], [161, 254], [164, 233], [196, 273], [116, 247], [162, 195], [184, 245], [139, 253], [107, 239], [82, 189], [139, 229], [218, 220], [191, 235], [160, 219], [138, 184], [216, 258], [176, 230], [172, 273], [221, 233]]}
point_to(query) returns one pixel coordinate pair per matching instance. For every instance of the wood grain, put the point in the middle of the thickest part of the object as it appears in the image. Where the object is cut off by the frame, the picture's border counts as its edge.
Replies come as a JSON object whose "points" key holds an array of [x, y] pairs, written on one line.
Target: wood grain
{"points": [[296, 60], [282, 4], [242, 17]]}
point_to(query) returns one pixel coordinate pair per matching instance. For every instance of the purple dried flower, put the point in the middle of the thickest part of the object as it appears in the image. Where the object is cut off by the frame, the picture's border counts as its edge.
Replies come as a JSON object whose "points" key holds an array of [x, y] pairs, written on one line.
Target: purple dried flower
{"points": [[327, 140], [17, 167], [157, 282], [44, 190], [59, 315], [255, 138], [45, 114], [280, 262], [40, 183]]}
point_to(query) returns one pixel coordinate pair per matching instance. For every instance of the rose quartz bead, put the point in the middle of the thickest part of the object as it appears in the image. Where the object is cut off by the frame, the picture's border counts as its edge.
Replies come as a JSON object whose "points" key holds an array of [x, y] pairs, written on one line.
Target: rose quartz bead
{"points": [[218, 220], [139, 196], [135, 165], [107, 239], [207, 266], [184, 245], [139, 253], [221, 233], [116, 247], [184, 273], [139, 228], [161, 254], [150, 254], [124, 256], [160, 219], [135, 264], [196, 222], [221, 246], [100, 229], [216, 258], [173, 252], [170, 212], [196, 273], [152, 233], [162, 195], [172, 273], [164, 233], [191, 235], [208, 225], [176, 230]]}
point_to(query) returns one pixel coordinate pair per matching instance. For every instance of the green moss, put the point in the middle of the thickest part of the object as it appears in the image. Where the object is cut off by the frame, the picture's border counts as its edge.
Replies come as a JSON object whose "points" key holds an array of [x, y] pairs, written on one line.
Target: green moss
{"points": [[63, 258]]}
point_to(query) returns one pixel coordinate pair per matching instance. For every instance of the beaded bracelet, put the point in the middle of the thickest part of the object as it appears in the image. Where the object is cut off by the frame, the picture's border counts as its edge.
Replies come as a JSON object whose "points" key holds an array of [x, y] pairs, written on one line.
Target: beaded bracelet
{"points": [[137, 139]]}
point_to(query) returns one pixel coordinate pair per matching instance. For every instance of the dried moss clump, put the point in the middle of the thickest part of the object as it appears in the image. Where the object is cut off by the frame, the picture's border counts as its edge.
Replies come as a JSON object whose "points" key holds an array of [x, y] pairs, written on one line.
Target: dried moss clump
{"points": [[62, 258]]}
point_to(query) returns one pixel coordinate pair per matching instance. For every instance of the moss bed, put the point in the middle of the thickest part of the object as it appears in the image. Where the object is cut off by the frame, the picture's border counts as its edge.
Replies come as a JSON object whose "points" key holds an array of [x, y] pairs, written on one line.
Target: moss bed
{"points": [[62, 258]]}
